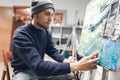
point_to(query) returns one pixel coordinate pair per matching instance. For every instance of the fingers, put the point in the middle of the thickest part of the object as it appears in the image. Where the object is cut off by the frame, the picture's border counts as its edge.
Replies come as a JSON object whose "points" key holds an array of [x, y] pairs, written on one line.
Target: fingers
{"points": [[93, 60], [91, 64], [93, 55], [89, 67], [94, 66]]}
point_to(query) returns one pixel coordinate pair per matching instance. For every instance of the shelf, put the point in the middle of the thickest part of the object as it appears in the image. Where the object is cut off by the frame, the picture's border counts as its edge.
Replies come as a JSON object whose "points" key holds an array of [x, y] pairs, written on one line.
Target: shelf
{"points": [[60, 34]]}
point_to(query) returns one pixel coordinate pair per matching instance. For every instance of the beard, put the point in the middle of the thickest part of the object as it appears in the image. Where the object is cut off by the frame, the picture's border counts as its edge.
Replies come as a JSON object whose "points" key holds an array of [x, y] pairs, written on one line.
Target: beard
{"points": [[40, 25]]}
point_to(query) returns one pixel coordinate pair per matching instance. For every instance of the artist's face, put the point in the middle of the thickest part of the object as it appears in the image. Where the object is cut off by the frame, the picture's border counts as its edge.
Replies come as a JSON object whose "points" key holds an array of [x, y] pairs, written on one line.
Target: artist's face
{"points": [[45, 17]]}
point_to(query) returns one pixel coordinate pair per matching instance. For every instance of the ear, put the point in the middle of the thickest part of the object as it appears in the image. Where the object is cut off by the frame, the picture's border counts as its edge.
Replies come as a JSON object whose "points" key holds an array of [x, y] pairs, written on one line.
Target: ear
{"points": [[34, 16]]}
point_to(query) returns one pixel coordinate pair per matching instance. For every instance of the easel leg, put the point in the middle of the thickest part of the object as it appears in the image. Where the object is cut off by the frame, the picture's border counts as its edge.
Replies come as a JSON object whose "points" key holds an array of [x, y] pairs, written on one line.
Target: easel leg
{"points": [[105, 74]]}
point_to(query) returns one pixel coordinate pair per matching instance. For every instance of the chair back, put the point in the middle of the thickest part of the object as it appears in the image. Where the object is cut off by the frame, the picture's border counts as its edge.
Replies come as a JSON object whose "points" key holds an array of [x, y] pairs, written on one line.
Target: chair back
{"points": [[7, 56]]}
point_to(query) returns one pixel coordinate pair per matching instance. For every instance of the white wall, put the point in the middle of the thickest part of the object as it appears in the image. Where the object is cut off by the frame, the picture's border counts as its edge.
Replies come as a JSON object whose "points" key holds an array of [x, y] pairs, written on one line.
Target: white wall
{"points": [[71, 6]]}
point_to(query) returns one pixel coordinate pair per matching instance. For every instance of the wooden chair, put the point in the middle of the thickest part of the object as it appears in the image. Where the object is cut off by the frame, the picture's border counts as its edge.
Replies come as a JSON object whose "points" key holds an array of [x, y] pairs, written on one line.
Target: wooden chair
{"points": [[7, 56]]}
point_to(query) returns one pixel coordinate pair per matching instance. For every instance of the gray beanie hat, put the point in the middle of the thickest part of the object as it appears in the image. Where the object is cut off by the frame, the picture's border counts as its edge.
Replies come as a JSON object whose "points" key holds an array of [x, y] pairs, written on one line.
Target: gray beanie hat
{"points": [[39, 5]]}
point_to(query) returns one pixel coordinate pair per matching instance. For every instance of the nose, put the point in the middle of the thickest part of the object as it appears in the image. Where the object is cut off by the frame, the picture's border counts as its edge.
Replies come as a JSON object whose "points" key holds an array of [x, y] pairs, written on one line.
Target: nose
{"points": [[50, 18]]}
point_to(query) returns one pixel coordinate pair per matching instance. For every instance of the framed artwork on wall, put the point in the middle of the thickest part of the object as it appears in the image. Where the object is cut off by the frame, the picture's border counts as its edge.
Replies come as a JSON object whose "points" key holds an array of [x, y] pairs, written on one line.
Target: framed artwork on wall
{"points": [[59, 18]]}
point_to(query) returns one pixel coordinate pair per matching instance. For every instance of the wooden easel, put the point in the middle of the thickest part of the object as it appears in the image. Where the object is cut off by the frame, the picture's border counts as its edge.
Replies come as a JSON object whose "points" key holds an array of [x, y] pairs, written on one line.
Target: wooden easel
{"points": [[74, 43]]}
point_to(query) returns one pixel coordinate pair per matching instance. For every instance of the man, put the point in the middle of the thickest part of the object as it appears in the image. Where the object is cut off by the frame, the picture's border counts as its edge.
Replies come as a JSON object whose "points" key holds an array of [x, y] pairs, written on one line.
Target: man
{"points": [[30, 43]]}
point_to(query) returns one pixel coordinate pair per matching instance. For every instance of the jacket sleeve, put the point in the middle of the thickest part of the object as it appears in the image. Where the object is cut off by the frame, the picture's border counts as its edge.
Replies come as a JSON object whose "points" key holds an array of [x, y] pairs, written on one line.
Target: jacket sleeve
{"points": [[52, 51], [30, 56]]}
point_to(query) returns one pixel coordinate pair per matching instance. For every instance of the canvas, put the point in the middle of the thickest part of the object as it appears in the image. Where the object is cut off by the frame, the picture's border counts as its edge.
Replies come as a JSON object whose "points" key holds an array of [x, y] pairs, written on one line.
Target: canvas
{"points": [[102, 33]]}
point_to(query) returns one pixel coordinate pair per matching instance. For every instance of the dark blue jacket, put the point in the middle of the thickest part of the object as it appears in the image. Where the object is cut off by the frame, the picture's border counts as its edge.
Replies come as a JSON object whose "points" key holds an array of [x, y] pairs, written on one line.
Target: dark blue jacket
{"points": [[29, 46]]}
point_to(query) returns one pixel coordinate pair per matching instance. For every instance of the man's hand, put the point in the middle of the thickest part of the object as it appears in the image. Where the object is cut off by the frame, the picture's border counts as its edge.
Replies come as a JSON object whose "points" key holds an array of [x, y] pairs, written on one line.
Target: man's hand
{"points": [[86, 63]]}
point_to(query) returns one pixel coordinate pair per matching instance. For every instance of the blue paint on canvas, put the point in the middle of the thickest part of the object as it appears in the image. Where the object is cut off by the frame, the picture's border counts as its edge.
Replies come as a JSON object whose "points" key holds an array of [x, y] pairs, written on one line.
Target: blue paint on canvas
{"points": [[109, 50], [110, 54]]}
